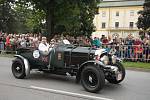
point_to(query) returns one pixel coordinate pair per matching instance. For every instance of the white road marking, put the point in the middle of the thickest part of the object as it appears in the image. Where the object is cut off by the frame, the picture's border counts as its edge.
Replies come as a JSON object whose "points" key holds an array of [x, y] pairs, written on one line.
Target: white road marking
{"points": [[70, 93]]}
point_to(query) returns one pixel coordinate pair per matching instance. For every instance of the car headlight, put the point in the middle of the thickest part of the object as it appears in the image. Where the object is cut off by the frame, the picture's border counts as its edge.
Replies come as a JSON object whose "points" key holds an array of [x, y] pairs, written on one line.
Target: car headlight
{"points": [[114, 59], [105, 59]]}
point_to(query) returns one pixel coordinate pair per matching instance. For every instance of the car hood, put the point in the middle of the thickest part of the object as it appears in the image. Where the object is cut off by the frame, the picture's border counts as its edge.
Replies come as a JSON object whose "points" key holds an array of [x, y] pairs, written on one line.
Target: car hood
{"points": [[83, 50], [89, 50]]}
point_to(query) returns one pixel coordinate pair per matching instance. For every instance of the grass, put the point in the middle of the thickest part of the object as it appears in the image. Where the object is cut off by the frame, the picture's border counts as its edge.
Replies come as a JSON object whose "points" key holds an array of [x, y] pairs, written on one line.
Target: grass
{"points": [[7, 55], [137, 65]]}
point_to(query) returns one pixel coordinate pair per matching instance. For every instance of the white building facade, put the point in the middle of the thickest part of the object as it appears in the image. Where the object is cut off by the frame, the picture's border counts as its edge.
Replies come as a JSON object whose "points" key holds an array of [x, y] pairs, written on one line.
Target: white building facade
{"points": [[117, 18]]}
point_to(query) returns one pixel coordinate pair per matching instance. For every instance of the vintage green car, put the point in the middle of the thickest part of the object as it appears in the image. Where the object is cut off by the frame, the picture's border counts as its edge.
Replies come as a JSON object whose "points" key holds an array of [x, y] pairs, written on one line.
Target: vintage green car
{"points": [[90, 66]]}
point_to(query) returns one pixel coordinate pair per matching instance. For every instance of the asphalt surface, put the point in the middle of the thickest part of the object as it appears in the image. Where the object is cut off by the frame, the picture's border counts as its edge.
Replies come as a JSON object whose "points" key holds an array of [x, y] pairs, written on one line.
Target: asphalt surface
{"points": [[39, 86]]}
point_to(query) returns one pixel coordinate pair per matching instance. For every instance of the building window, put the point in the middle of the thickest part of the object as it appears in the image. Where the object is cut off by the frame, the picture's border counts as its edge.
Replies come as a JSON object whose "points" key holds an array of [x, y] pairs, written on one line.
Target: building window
{"points": [[103, 14], [103, 25], [131, 24], [132, 13], [116, 24], [117, 13]]}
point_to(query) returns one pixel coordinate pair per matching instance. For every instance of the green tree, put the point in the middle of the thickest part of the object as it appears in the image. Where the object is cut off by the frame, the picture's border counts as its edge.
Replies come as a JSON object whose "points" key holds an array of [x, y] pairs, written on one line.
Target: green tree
{"points": [[30, 19], [7, 16], [144, 20], [80, 12], [87, 12]]}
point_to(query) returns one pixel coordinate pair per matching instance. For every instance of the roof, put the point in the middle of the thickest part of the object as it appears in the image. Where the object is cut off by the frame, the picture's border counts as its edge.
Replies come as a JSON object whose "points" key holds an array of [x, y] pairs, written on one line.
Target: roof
{"points": [[106, 4]]}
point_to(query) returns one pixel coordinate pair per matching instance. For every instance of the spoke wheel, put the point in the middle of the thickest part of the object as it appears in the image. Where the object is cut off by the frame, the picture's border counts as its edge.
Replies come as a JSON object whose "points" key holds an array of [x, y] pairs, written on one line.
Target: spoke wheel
{"points": [[18, 69], [92, 79]]}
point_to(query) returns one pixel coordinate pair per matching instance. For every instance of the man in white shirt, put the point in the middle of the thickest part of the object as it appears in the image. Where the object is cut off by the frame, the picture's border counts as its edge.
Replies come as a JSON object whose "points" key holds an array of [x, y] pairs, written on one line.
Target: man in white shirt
{"points": [[44, 47]]}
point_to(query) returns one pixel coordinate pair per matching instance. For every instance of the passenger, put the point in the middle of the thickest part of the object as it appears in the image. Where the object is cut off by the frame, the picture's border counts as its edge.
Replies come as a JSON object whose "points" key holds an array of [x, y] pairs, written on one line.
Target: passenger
{"points": [[44, 47], [52, 43]]}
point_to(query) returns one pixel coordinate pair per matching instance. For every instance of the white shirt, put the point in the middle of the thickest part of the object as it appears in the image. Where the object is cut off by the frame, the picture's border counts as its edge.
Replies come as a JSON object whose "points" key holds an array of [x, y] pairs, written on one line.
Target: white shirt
{"points": [[44, 47]]}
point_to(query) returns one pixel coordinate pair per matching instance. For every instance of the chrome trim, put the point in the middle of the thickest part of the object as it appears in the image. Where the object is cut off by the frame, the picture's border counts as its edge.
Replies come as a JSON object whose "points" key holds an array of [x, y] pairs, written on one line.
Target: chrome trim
{"points": [[105, 59], [118, 59], [114, 59], [26, 63], [113, 68]]}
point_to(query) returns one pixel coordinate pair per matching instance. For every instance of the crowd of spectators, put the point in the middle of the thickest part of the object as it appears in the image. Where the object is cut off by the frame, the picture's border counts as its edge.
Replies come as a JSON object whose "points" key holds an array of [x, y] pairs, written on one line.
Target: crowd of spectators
{"points": [[14, 41], [128, 47]]}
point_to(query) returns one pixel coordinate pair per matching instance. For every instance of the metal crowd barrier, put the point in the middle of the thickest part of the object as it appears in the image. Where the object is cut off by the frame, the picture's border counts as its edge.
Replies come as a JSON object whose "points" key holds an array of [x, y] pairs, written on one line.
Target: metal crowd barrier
{"points": [[6, 49], [126, 52], [2, 46], [130, 52]]}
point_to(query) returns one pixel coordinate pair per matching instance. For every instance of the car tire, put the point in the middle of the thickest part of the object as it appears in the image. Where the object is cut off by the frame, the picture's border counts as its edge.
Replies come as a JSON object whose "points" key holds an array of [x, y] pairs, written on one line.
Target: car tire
{"points": [[18, 69], [97, 81], [122, 70]]}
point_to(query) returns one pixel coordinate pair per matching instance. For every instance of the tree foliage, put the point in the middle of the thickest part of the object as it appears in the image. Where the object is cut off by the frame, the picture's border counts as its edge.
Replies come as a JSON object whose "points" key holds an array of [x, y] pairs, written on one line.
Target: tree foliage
{"points": [[144, 20], [7, 16], [29, 18], [75, 15], [87, 13]]}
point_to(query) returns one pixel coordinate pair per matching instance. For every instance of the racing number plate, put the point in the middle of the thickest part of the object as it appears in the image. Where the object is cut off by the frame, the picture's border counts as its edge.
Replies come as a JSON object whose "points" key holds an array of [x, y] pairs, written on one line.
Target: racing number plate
{"points": [[119, 76], [59, 56]]}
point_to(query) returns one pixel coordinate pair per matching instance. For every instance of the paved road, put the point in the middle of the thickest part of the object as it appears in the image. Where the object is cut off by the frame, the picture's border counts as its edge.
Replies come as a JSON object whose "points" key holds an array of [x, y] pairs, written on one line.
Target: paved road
{"points": [[38, 86]]}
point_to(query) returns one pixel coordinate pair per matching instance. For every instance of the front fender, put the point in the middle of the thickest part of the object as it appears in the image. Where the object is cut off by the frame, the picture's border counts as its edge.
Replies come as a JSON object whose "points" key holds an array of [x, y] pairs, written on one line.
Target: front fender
{"points": [[91, 62], [94, 62], [26, 64]]}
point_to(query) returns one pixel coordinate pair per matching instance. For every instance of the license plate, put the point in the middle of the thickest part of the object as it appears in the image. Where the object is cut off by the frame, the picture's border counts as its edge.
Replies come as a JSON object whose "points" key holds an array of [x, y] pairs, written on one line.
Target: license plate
{"points": [[119, 76]]}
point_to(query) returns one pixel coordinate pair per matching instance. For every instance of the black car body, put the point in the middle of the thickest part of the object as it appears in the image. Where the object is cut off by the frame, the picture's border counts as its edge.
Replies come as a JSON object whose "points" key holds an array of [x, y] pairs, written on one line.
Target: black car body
{"points": [[90, 66]]}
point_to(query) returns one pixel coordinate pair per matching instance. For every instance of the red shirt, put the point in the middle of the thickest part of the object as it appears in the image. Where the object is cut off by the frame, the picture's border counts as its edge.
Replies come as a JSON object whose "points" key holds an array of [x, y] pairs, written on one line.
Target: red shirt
{"points": [[105, 41], [137, 42], [7, 41]]}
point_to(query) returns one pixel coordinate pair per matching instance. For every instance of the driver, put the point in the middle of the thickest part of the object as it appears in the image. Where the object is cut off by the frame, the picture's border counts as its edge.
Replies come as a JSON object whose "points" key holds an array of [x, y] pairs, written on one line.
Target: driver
{"points": [[44, 47]]}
